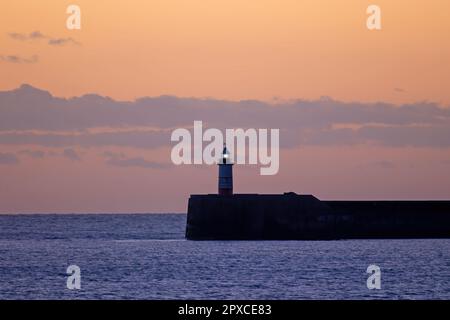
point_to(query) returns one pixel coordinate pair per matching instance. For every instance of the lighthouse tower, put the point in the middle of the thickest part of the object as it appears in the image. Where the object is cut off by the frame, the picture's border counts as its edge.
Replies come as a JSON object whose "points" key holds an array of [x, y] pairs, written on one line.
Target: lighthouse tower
{"points": [[225, 173]]}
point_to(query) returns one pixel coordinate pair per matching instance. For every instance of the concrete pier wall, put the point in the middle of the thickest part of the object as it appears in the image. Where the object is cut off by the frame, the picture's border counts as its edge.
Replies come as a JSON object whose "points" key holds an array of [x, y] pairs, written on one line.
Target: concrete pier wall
{"points": [[304, 217]]}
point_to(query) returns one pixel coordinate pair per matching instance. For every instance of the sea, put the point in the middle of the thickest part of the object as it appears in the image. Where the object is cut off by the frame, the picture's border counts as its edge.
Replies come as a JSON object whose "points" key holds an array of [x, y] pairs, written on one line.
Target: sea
{"points": [[145, 256]]}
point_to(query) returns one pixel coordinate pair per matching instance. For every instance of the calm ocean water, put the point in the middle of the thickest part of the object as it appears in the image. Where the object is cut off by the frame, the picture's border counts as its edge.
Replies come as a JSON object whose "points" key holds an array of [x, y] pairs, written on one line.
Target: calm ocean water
{"points": [[147, 257]]}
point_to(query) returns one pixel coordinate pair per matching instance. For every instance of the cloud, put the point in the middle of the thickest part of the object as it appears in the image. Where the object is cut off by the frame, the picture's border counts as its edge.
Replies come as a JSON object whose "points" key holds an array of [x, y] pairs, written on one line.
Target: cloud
{"points": [[136, 139], [37, 35], [36, 154], [18, 59], [8, 158], [62, 41], [18, 36], [30, 116], [71, 154], [120, 160]]}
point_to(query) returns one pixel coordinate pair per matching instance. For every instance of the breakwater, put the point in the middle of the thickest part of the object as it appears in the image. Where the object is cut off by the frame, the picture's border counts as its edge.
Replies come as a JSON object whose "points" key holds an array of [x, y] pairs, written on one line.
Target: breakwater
{"points": [[291, 216]]}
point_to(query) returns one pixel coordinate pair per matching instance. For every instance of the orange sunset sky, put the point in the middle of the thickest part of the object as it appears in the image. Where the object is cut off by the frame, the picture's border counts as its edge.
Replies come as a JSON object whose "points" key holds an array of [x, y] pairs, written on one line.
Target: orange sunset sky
{"points": [[272, 51], [235, 49]]}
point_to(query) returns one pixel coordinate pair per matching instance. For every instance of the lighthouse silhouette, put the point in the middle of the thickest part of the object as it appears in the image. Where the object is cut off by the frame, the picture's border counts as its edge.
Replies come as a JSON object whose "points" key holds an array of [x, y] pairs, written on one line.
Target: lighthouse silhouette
{"points": [[225, 173]]}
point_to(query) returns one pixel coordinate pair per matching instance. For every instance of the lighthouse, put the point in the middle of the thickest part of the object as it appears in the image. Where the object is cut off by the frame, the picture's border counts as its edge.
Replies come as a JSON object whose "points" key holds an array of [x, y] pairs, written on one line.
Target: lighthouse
{"points": [[225, 173]]}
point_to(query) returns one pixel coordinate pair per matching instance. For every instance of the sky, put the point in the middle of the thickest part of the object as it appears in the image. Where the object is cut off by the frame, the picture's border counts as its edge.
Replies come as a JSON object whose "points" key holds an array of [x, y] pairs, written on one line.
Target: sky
{"points": [[362, 114]]}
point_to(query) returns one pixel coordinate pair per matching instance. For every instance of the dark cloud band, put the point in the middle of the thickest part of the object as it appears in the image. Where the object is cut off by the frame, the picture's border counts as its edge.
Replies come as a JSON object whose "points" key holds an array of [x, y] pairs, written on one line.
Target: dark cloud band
{"points": [[68, 122]]}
